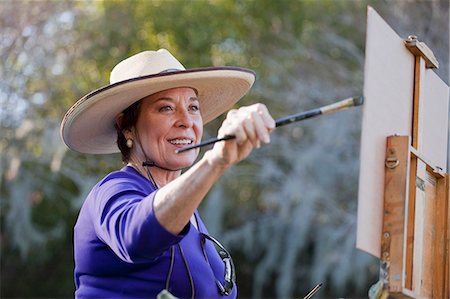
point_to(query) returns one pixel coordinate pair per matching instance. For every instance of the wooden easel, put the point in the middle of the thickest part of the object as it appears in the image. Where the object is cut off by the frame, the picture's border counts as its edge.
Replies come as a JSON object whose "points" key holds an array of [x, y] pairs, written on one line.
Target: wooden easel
{"points": [[415, 239]]}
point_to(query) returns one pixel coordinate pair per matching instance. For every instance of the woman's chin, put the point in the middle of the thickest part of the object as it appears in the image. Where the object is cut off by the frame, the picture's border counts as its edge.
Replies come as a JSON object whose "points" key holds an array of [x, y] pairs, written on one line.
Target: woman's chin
{"points": [[183, 162]]}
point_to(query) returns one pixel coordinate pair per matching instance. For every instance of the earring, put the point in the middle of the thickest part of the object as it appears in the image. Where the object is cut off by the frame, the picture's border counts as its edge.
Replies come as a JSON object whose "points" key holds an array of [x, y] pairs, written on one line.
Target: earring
{"points": [[129, 143]]}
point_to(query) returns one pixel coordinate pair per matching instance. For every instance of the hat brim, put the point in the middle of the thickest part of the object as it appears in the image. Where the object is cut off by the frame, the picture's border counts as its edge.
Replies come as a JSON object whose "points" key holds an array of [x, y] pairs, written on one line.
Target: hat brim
{"points": [[88, 126]]}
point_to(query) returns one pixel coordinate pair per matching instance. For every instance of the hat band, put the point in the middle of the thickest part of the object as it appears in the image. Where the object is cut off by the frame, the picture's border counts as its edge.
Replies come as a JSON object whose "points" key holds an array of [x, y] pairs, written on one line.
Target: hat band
{"points": [[170, 71]]}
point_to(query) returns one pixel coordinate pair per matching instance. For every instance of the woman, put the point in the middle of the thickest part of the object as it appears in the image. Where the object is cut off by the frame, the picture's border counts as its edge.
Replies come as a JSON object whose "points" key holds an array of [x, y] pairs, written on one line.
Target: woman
{"points": [[139, 232]]}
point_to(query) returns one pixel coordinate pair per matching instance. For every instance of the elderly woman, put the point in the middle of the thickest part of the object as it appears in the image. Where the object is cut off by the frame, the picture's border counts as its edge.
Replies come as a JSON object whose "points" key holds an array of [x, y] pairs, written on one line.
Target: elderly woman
{"points": [[139, 232]]}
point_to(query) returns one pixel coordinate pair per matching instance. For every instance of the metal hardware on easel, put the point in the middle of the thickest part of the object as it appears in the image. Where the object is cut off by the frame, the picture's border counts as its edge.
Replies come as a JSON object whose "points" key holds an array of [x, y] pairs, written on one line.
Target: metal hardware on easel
{"points": [[392, 162], [420, 183], [411, 38]]}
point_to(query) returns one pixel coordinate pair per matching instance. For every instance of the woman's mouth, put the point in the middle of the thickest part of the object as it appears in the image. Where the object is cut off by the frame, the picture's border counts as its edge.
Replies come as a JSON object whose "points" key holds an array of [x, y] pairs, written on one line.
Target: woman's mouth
{"points": [[181, 141]]}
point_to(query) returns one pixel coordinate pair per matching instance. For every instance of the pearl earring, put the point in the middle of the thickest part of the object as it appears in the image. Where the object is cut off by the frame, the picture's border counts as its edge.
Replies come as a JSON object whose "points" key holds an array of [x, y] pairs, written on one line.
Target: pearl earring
{"points": [[130, 143]]}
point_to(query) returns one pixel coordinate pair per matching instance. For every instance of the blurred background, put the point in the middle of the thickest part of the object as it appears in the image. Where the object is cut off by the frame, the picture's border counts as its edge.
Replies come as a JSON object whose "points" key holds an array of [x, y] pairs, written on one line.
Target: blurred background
{"points": [[287, 213]]}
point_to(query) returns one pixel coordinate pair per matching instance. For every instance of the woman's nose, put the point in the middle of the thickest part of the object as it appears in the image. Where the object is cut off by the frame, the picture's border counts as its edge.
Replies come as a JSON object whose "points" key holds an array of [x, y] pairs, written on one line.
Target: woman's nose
{"points": [[184, 119]]}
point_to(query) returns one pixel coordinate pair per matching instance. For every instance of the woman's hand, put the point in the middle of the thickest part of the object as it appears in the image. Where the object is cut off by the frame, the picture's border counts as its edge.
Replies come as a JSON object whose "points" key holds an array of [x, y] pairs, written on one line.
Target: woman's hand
{"points": [[251, 125]]}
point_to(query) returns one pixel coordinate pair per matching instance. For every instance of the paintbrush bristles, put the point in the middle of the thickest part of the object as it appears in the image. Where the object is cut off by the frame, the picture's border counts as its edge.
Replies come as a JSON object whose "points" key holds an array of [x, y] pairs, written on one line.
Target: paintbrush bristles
{"points": [[358, 101], [347, 103]]}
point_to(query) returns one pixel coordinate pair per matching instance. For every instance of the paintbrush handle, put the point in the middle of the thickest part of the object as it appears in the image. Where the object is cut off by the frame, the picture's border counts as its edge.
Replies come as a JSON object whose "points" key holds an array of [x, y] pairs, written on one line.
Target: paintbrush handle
{"points": [[282, 121], [313, 291], [350, 102]]}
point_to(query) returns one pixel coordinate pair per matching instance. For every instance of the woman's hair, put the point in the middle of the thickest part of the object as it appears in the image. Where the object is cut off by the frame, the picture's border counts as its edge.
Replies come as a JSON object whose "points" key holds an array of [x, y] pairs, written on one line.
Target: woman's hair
{"points": [[128, 121]]}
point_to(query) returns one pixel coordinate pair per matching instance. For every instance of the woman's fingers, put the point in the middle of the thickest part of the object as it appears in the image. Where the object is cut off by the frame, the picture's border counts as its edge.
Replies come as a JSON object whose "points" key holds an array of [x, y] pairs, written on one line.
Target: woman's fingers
{"points": [[262, 122], [249, 131], [251, 127], [260, 127], [267, 118], [252, 123]]}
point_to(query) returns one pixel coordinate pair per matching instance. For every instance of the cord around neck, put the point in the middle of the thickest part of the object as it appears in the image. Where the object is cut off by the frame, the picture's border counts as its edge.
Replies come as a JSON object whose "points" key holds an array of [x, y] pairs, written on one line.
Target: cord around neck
{"points": [[149, 163]]}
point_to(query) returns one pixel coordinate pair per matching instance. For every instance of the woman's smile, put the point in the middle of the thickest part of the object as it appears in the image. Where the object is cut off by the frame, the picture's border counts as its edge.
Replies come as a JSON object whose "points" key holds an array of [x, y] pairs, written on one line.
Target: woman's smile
{"points": [[181, 141]]}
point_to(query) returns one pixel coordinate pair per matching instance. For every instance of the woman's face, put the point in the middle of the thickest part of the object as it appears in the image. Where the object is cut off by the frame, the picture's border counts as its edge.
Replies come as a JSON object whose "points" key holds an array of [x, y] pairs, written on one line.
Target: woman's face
{"points": [[169, 120]]}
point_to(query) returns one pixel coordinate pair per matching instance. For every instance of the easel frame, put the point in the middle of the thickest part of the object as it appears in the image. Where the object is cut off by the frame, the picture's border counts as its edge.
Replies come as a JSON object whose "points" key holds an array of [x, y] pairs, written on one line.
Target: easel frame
{"points": [[415, 240], [399, 214]]}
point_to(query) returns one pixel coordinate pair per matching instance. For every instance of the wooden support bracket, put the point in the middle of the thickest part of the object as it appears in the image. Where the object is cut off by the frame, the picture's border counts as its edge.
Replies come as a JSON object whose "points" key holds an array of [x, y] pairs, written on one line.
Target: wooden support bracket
{"points": [[421, 49], [441, 254], [396, 190]]}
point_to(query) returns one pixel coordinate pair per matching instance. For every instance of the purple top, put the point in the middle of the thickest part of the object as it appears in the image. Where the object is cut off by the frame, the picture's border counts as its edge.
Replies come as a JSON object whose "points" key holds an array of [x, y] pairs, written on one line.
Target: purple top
{"points": [[122, 251]]}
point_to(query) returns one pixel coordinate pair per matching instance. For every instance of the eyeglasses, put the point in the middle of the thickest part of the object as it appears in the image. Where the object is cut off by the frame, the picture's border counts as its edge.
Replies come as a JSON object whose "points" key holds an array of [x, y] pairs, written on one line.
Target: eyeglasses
{"points": [[229, 276]]}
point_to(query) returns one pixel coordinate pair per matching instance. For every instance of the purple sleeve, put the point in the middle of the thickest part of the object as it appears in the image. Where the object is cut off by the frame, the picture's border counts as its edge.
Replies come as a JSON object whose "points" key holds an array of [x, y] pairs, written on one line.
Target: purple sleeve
{"points": [[124, 219]]}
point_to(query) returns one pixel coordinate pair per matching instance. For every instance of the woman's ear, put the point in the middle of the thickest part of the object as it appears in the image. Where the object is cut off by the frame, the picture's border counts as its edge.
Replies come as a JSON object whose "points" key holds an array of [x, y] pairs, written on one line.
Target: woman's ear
{"points": [[118, 120], [127, 133]]}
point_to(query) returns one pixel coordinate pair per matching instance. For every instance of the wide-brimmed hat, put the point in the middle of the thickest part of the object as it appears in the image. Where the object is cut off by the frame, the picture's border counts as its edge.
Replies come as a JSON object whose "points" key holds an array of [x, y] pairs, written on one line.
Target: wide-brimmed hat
{"points": [[88, 126]]}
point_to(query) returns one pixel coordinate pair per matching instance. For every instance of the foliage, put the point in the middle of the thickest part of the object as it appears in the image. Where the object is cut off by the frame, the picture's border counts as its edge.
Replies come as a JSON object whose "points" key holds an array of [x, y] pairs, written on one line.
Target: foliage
{"points": [[287, 213]]}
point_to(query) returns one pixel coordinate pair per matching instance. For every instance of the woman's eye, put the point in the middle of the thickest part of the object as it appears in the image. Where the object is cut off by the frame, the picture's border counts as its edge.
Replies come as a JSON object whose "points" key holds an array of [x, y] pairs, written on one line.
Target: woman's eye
{"points": [[195, 108], [165, 108]]}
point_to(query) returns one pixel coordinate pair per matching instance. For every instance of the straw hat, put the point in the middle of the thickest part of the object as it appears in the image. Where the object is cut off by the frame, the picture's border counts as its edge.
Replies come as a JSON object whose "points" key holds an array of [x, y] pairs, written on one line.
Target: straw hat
{"points": [[88, 126]]}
